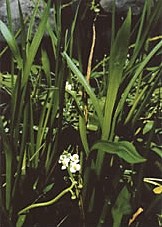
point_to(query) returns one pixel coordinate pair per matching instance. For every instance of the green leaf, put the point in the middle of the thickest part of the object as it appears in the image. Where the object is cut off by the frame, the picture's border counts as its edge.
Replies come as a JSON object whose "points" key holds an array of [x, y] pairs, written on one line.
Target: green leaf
{"points": [[9, 15], [117, 61], [157, 149], [149, 17], [123, 149], [118, 57], [138, 71], [9, 159], [7, 81], [46, 67], [33, 48], [148, 126], [48, 188], [32, 21], [121, 207], [83, 134], [86, 86], [10, 39], [21, 220], [76, 102]]}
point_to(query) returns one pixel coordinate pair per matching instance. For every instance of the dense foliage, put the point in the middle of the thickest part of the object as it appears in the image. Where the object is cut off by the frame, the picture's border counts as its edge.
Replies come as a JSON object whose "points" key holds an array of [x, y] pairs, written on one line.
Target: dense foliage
{"points": [[80, 118]]}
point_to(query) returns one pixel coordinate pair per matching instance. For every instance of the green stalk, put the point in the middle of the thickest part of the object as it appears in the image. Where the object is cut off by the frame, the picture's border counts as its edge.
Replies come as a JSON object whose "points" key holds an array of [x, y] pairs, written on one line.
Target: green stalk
{"points": [[9, 16], [50, 202]]}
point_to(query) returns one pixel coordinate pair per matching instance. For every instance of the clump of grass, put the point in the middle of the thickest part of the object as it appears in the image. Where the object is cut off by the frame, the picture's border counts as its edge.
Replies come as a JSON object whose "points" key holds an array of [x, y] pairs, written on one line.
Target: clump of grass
{"points": [[44, 101]]}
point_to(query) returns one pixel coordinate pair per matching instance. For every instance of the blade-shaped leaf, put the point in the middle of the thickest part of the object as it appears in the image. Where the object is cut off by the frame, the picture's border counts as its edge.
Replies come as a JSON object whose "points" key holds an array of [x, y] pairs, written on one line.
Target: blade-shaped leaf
{"points": [[121, 207], [83, 134], [116, 65], [21, 220], [123, 149], [8, 157], [86, 86], [35, 44], [117, 60], [46, 66], [157, 149], [10, 39]]}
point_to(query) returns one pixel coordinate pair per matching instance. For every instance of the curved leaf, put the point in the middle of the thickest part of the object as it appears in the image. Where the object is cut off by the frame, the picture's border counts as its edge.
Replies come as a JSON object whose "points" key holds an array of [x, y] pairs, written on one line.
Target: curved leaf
{"points": [[123, 149], [11, 41], [86, 86]]}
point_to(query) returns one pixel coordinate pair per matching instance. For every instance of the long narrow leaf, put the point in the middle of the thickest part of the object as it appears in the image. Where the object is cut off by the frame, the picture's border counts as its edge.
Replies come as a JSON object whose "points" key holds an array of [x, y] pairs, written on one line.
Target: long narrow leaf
{"points": [[117, 60], [32, 20], [10, 39], [35, 44], [144, 31], [86, 86], [116, 65], [8, 157], [132, 81], [83, 135]]}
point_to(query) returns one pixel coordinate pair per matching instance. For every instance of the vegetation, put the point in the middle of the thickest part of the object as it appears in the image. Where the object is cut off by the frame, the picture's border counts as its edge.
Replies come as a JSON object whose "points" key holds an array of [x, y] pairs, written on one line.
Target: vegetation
{"points": [[80, 136]]}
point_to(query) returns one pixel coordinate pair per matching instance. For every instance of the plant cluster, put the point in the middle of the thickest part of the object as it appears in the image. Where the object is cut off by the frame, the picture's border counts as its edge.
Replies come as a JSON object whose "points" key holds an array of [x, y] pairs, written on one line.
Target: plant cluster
{"points": [[81, 134]]}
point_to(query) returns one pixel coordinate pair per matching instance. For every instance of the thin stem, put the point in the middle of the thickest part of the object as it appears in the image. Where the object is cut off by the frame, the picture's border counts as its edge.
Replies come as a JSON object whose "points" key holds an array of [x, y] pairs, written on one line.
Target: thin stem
{"points": [[50, 202], [91, 54], [89, 68]]}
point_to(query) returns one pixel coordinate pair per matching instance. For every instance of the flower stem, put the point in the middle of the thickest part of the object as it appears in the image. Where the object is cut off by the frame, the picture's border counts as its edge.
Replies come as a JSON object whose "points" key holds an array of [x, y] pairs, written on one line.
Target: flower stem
{"points": [[50, 202]]}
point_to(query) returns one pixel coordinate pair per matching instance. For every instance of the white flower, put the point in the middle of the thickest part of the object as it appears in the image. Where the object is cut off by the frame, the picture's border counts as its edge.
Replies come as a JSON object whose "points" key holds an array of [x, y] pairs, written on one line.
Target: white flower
{"points": [[69, 161], [64, 160], [75, 158], [68, 86], [74, 167], [63, 167], [62, 157], [65, 163]]}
